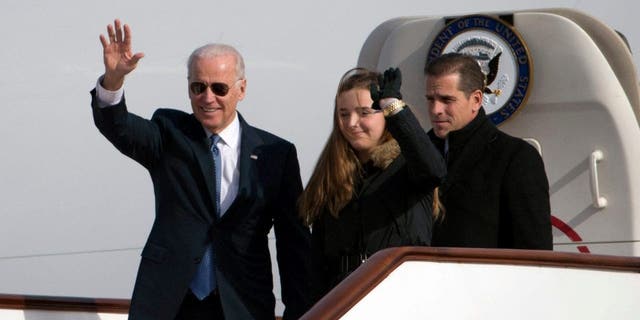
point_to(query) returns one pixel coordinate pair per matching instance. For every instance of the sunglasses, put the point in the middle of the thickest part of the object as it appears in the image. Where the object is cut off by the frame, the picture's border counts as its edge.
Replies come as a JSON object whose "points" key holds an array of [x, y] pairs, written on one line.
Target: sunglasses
{"points": [[218, 88]]}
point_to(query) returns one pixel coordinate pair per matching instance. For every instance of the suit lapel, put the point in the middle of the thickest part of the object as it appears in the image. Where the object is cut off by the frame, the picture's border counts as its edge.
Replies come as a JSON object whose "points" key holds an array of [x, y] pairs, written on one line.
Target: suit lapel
{"points": [[202, 154], [250, 154]]}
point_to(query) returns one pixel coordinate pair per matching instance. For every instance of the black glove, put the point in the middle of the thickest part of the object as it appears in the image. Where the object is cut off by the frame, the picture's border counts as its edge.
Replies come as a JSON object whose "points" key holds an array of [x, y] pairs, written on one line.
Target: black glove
{"points": [[388, 87]]}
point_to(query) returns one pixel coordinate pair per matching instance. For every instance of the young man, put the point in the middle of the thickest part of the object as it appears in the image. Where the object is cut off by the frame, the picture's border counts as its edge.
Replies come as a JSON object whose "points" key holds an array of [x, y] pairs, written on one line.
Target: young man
{"points": [[496, 193]]}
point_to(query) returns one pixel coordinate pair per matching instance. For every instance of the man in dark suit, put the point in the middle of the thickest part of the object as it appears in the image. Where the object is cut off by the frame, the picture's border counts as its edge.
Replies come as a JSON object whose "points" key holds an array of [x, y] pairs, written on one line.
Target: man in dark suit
{"points": [[220, 185], [496, 192]]}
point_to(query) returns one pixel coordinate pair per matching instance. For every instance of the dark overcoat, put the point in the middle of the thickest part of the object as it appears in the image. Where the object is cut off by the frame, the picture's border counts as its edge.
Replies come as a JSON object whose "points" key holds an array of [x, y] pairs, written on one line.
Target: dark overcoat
{"points": [[392, 206], [496, 193]]}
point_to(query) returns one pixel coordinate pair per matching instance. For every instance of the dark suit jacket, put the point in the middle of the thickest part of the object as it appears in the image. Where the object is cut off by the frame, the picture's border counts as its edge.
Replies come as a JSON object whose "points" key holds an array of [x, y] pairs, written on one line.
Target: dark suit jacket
{"points": [[175, 150]]}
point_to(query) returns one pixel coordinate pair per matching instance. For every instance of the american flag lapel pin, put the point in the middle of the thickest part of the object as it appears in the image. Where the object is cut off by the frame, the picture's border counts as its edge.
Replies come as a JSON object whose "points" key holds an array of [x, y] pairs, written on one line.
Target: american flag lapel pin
{"points": [[254, 157]]}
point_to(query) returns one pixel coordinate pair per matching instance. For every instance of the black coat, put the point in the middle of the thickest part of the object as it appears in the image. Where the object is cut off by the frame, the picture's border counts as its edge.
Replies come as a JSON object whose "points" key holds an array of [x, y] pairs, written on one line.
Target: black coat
{"points": [[174, 148], [496, 193], [392, 206]]}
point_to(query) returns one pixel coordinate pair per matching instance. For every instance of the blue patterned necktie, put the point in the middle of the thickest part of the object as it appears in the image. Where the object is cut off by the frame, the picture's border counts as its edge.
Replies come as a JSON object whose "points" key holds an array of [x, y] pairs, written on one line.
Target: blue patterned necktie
{"points": [[205, 280], [217, 163]]}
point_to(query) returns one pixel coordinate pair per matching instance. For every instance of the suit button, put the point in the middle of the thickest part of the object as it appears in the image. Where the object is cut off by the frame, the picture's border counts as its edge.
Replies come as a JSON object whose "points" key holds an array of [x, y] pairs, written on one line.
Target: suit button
{"points": [[197, 260]]}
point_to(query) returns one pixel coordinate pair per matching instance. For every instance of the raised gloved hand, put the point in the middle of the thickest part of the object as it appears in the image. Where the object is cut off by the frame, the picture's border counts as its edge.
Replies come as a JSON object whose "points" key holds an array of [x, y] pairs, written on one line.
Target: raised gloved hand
{"points": [[388, 87]]}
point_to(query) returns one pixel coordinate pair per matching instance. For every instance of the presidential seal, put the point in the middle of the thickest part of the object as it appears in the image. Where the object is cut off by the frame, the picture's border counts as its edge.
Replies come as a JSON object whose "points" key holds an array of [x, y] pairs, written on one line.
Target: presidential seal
{"points": [[502, 55]]}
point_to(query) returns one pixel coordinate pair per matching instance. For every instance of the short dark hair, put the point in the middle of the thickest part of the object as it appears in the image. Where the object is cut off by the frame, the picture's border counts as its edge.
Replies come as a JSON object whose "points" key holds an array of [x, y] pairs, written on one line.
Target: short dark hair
{"points": [[471, 76]]}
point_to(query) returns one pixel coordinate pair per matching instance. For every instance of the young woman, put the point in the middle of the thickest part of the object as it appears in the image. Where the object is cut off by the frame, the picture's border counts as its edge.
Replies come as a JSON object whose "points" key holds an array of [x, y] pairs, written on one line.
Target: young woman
{"points": [[373, 186]]}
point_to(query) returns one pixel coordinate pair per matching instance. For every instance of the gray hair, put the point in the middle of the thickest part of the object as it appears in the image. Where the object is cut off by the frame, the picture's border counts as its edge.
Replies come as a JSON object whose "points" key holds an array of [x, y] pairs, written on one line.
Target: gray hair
{"points": [[215, 50]]}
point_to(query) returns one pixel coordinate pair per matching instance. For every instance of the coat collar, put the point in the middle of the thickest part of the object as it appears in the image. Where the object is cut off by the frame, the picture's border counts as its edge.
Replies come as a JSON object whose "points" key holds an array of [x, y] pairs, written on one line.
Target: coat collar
{"points": [[460, 137], [384, 154], [386, 159], [466, 146]]}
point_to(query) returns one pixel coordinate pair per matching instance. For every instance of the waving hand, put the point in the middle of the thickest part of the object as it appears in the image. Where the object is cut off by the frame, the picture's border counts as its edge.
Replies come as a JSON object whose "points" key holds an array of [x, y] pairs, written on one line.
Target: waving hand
{"points": [[118, 58]]}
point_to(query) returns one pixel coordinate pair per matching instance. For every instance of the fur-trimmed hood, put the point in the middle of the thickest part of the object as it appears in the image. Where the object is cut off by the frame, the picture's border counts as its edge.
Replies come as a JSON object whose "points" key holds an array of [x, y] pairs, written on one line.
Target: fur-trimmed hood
{"points": [[384, 154]]}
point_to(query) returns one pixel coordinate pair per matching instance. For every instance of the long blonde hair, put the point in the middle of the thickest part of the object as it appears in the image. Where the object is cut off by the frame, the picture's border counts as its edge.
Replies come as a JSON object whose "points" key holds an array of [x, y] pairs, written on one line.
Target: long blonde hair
{"points": [[332, 183], [338, 169]]}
